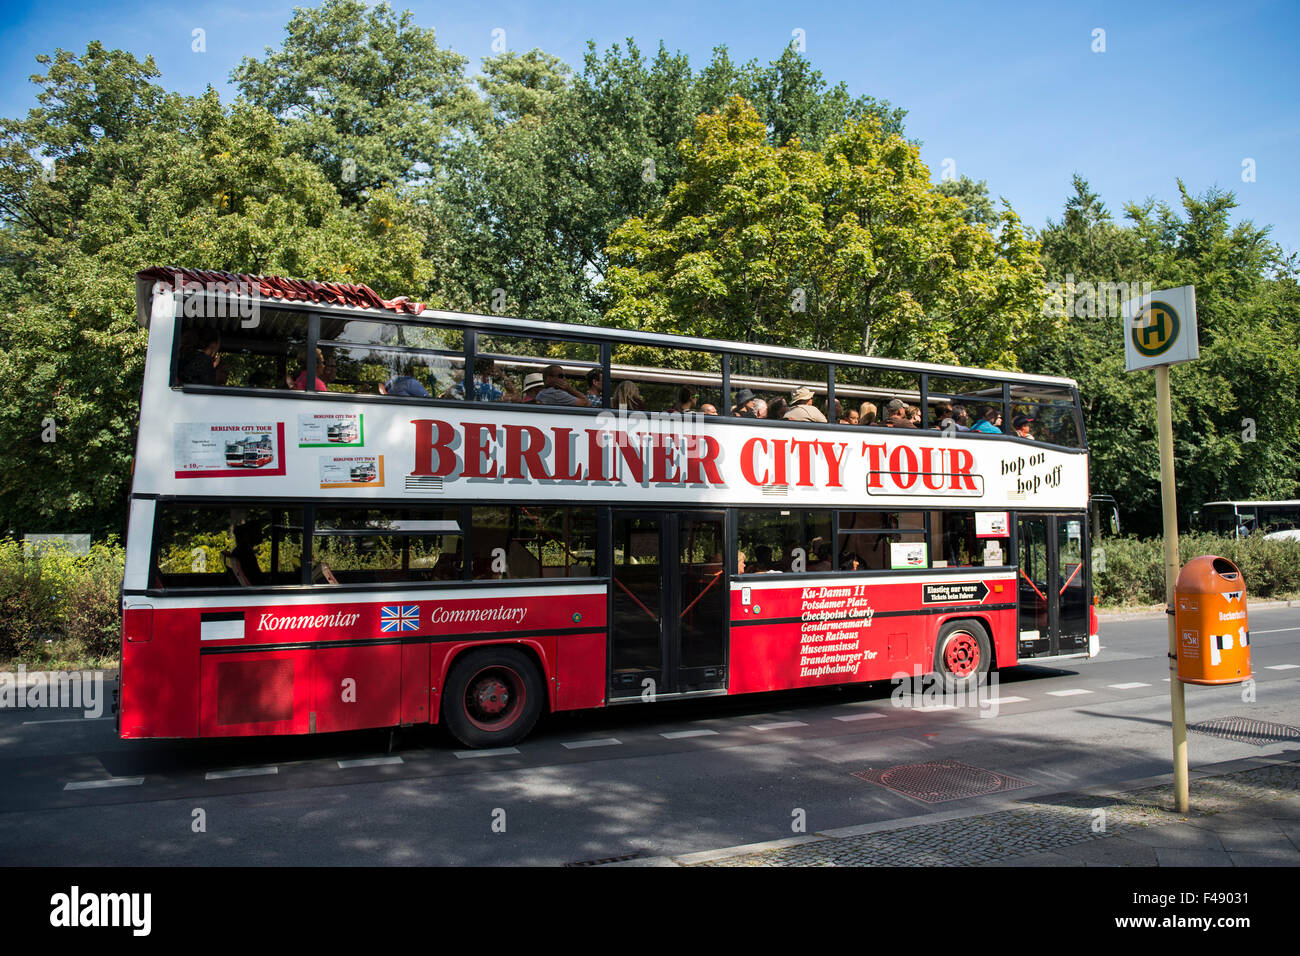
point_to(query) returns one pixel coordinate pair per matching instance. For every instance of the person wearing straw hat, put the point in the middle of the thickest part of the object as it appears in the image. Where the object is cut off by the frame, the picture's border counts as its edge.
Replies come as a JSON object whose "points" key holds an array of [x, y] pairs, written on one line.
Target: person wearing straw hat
{"points": [[801, 407]]}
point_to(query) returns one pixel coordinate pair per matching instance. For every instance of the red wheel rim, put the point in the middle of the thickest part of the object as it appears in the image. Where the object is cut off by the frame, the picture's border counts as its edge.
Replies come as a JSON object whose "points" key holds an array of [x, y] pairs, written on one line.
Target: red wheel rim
{"points": [[494, 698], [961, 655]]}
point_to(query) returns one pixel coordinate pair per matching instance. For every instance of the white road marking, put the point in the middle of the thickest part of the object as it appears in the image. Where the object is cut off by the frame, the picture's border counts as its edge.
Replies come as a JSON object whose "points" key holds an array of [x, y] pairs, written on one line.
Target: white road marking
{"points": [[1129, 686], [679, 734], [65, 720], [1281, 667], [579, 744], [495, 752], [861, 716], [1007, 700], [1072, 692], [240, 772], [1275, 630], [779, 725], [369, 762], [100, 784]]}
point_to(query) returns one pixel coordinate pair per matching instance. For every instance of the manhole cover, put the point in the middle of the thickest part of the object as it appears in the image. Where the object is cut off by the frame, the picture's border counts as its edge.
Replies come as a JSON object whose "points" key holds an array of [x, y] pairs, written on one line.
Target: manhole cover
{"points": [[942, 780], [638, 855], [1246, 730]]}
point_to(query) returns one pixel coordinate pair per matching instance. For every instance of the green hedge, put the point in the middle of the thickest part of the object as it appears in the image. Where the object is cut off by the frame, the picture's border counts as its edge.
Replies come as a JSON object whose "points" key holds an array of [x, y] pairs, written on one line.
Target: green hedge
{"points": [[60, 600], [1133, 569]]}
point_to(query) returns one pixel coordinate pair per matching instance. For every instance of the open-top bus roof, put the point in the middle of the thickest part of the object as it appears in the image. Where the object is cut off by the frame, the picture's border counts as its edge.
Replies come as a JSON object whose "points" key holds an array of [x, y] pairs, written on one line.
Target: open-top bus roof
{"points": [[343, 301]]}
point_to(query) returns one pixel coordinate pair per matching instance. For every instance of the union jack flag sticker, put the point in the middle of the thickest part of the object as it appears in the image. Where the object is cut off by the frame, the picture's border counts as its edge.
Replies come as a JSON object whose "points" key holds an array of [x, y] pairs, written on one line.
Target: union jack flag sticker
{"points": [[401, 617]]}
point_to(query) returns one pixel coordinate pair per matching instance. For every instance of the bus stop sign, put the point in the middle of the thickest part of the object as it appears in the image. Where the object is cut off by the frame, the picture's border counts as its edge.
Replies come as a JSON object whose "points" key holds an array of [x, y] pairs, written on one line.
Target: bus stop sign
{"points": [[1160, 329]]}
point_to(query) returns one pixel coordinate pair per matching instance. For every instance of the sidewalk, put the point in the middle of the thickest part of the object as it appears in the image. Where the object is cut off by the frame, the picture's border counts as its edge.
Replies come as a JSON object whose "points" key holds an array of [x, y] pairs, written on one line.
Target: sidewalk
{"points": [[1243, 813]]}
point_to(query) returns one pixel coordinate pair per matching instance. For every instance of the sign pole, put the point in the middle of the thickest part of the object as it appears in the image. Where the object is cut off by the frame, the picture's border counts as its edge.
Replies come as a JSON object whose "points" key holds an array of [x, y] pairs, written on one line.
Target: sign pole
{"points": [[1177, 704]]}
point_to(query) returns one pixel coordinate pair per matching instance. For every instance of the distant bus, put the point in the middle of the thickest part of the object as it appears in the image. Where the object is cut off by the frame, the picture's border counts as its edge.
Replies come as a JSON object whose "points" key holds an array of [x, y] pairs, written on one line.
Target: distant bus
{"points": [[1239, 519], [649, 540]]}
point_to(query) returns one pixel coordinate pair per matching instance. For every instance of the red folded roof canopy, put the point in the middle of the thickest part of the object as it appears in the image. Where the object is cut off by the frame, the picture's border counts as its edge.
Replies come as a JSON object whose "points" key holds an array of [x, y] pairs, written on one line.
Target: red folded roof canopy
{"points": [[298, 290]]}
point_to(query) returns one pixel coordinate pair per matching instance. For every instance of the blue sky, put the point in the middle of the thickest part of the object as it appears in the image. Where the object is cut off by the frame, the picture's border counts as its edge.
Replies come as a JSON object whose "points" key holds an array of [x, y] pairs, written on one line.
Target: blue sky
{"points": [[1010, 93]]}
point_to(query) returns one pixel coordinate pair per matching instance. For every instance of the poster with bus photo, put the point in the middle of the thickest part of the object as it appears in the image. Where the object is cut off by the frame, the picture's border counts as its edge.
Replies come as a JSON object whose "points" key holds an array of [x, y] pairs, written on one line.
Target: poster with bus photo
{"points": [[355, 471], [907, 554], [226, 449], [332, 430]]}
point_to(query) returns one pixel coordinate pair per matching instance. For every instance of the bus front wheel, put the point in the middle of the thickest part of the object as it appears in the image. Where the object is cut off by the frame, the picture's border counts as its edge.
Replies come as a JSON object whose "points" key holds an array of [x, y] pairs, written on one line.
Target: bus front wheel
{"points": [[963, 655], [492, 697]]}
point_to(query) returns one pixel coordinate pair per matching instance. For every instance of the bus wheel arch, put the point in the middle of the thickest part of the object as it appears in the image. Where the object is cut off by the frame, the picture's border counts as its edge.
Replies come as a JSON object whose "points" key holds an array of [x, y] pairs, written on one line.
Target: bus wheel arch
{"points": [[492, 695], [963, 653]]}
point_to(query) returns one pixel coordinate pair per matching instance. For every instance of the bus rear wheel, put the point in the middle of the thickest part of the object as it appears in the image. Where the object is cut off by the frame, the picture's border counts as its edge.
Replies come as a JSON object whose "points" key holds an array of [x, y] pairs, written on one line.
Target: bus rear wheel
{"points": [[492, 697], [963, 655]]}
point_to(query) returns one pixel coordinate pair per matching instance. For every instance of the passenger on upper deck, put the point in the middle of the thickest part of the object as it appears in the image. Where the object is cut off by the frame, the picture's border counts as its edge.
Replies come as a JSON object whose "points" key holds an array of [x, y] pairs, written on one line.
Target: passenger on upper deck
{"points": [[595, 388], [989, 422], [898, 417], [776, 411], [867, 413], [707, 409], [533, 383], [200, 365], [486, 388], [744, 407], [405, 385], [686, 400], [760, 408], [300, 383], [558, 390], [802, 408], [1021, 425], [627, 396]]}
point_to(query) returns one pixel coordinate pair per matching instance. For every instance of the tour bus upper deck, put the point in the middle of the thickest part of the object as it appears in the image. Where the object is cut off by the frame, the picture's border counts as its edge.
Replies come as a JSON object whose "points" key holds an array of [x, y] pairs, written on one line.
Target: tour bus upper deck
{"points": [[269, 344]]}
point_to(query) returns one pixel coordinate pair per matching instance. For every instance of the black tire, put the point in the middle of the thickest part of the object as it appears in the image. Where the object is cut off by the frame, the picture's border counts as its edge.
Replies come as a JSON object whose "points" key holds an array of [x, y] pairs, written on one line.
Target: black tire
{"points": [[963, 655], [493, 697]]}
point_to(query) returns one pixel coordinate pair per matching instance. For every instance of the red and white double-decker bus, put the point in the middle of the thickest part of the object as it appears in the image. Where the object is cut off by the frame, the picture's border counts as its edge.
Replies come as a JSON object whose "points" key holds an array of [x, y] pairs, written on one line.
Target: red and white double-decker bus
{"points": [[568, 517]]}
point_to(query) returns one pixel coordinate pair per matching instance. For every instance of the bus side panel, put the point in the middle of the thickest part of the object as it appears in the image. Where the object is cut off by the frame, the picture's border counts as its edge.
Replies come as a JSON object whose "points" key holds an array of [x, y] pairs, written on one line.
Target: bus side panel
{"points": [[846, 631], [415, 684], [160, 673], [1001, 626], [254, 693], [581, 677], [357, 687]]}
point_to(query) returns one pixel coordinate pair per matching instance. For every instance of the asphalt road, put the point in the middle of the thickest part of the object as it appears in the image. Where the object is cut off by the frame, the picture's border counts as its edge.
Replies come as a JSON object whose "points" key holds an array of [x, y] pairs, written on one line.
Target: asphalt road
{"points": [[650, 780]]}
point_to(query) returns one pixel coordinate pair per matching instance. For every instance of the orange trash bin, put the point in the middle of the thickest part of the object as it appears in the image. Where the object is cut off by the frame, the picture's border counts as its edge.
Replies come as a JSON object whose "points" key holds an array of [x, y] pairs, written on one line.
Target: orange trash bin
{"points": [[1210, 617]]}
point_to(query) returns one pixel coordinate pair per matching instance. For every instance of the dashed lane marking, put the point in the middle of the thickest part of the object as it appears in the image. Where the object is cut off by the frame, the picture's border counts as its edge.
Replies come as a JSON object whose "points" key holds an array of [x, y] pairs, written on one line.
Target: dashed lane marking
{"points": [[1131, 685], [860, 716], [240, 772], [778, 725], [1281, 667], [101, 784], [580, 744], [494, 752], [369, 762], [680, 734], [1072, 692]]}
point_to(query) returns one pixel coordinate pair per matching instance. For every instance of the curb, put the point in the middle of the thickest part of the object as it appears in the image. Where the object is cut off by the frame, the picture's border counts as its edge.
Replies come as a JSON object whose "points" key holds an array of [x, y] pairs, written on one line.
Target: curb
{"points": [[905, 823], [1158, 610]]}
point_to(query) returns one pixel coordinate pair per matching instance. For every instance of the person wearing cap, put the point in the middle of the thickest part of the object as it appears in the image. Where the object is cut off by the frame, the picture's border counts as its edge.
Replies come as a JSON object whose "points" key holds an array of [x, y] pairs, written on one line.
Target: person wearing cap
{"points": [[1021, 425], [897, 416], [559, 390], [744, 407], [801, 407]]}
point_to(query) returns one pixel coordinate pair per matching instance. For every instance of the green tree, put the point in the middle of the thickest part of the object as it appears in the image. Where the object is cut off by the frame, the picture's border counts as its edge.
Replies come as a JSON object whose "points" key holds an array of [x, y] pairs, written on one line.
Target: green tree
{"points": [[142, 178], [363, 93], [851, 248]]}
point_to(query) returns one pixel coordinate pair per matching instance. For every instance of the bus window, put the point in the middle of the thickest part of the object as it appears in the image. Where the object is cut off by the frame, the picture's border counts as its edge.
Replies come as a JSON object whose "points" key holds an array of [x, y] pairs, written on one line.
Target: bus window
{"points": [[528, 541], [772, 384], [784, 541], [225, 546], [1052, 411], [514, 357], [219, 350], [961, 539], [956, 392], [668, 380], [381, 545], [390, 358], [857, 386], [867, 540]]}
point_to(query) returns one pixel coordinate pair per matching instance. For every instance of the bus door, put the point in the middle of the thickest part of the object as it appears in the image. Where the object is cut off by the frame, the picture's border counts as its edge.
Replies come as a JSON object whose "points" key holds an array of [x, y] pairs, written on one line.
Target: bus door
{"points": [[1052, 585], [668, 614]]}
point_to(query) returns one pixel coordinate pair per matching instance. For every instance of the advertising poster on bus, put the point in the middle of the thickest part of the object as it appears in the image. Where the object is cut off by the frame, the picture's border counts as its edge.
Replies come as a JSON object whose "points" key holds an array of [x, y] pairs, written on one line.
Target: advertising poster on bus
{"points": [[331, 430], [208, 450], [355, 471]]}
